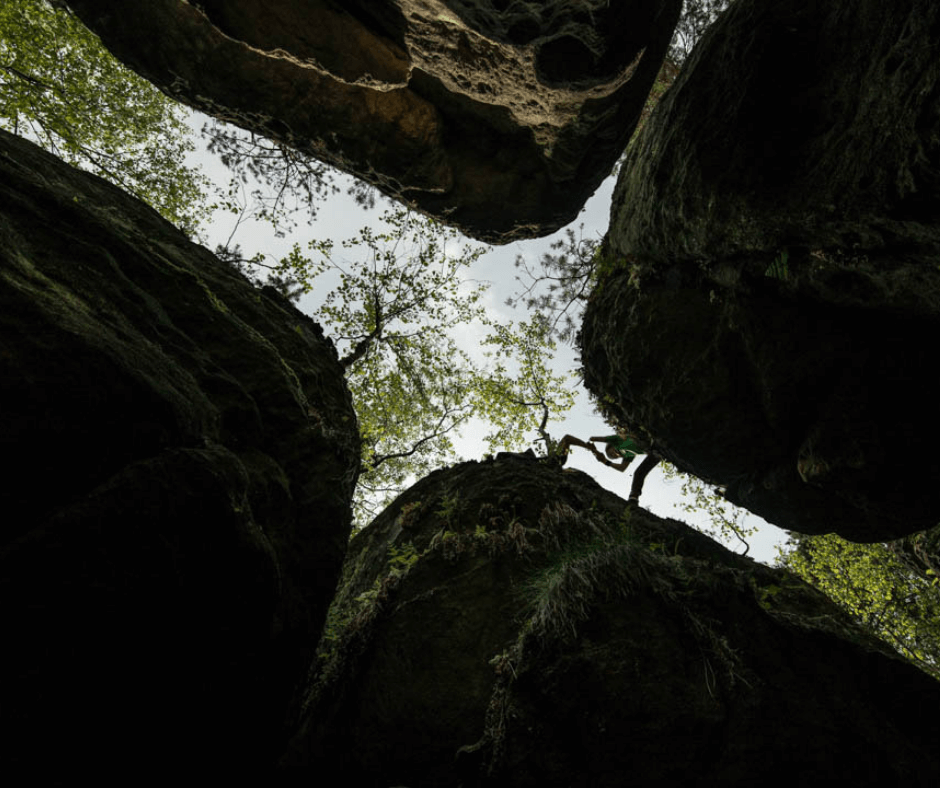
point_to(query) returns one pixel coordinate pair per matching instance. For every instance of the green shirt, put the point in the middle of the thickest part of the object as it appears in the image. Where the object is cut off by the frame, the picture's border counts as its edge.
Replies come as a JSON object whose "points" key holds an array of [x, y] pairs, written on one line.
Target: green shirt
{"points": [[623, 446]]}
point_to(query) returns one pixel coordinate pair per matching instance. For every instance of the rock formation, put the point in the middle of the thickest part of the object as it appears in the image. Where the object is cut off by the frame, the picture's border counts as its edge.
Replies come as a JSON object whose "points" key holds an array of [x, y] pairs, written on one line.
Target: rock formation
{"points": [[501, 118], [772, 317], [184, 448], [507, 623], [181, 452]]}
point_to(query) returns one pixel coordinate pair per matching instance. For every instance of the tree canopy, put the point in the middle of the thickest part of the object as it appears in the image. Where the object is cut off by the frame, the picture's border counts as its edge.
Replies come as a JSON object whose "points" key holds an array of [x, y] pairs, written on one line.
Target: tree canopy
{"points": [[891, 588], [61, 88], [394, 303]]}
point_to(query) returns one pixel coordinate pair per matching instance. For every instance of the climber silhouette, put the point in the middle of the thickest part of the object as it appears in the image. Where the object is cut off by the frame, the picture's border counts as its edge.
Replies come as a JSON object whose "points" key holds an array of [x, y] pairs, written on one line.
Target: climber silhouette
{"points": [[620, 447]]}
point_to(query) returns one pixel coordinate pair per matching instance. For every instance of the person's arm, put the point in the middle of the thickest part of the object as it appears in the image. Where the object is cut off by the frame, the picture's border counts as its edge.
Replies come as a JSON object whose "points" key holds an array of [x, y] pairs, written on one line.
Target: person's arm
{"points": [[622, 466]]}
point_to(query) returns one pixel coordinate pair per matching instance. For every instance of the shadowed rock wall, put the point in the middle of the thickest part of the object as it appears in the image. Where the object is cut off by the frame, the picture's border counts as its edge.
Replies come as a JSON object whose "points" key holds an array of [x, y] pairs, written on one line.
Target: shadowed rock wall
{"points": [[793, 125], [181, 452], [772, 322], [500, 118], [508, 623]]}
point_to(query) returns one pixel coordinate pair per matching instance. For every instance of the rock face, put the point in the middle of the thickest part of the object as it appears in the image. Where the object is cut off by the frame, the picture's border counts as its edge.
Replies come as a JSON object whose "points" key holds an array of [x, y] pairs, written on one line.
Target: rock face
{"points": [[501, 118], [181, 453], [506, 623], [764, 144], [772, 321]]}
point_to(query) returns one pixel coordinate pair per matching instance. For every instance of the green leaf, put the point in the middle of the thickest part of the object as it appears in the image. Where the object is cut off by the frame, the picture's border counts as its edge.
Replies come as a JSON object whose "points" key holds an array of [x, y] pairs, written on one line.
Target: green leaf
{"points": [[62, 89]]}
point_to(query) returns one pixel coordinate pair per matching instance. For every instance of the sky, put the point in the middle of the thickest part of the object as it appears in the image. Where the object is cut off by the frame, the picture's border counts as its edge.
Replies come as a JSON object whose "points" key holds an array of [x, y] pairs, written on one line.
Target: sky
{"points": [[338, 217]]}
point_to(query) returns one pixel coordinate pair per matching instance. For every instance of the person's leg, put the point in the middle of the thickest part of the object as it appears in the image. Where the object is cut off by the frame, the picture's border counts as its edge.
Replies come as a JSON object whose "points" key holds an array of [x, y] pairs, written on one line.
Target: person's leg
{"points": [[639, 476], [560, 455], [571, 440], [561, 451]]}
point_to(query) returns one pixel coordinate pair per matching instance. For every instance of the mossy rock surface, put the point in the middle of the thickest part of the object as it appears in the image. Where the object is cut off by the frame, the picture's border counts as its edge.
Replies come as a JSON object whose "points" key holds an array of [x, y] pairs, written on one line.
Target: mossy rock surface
{"points": [[773, 323], [509, 623], [182, 453]]}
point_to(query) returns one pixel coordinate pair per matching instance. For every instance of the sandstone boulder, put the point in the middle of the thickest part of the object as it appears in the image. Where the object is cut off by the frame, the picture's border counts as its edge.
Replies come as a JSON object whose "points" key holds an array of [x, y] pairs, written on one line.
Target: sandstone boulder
{"points": [[772, 317], [501, 118], [181, 452], [793, 125], [507, 623]]}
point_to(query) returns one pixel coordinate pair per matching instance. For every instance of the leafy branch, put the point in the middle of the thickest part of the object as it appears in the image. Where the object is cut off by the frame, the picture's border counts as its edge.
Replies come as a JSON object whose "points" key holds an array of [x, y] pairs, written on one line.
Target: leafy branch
{"points": [[558, 285], [896, 598], [727, 521], [286, 180], [396, 300], [63, 90]]}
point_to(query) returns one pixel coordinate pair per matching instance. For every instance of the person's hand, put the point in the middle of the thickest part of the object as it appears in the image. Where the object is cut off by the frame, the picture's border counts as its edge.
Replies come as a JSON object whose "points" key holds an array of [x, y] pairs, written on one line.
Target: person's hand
{"points": [[597, 453]]}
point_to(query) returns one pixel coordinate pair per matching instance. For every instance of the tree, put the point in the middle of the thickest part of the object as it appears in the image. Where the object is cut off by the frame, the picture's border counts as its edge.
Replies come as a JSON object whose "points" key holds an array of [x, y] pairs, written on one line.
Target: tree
{"points": [[394, 308], [890, 588], [272, 182], [559, 284], [62, 89], [519, 392], [727, 521], [696, 17]]}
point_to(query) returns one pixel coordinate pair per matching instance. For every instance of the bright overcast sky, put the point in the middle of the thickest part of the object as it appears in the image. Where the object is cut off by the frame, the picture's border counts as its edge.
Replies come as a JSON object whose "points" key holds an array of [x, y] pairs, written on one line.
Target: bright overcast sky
{"points": [[339, 218]]}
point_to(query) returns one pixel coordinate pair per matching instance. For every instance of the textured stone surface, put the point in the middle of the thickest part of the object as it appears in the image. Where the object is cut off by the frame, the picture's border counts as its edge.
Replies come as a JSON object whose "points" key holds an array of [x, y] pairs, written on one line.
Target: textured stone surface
{"points": [[180, 456], [793, 125], [501, 118], [818, 415], [773, 325], [507, 623]]}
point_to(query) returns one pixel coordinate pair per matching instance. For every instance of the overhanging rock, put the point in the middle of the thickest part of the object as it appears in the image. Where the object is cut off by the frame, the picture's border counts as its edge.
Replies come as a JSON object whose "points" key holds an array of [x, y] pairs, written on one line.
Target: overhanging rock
{"points": [[499, 118], [773, 317]]}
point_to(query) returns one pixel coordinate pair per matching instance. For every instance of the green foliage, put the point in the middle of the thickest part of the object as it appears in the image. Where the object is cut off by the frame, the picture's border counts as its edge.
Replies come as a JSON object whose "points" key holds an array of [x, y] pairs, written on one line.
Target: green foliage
{"points": [[396, 302], [575, 540], [894, 597], [401, 559], [450, 509], [766, 594], [726, 522], [393, 299], [779, 268], [519, 391], [62, 89]]}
